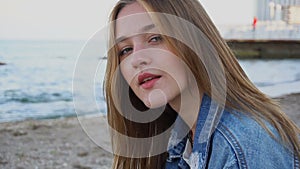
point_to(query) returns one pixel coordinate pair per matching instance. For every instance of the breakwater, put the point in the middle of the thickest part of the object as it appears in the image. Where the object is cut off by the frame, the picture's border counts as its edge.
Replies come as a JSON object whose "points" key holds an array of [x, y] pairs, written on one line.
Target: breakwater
{"points": [[265, 49]]}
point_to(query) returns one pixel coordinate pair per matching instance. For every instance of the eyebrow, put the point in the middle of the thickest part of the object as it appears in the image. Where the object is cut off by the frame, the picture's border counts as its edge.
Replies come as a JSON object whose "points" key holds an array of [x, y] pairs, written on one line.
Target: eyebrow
{"points": [[143, 29]]}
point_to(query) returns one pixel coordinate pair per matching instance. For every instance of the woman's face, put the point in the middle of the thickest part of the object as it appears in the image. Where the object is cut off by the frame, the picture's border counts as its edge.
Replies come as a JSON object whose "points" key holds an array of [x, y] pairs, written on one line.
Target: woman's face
{"points": [[155, 74]]}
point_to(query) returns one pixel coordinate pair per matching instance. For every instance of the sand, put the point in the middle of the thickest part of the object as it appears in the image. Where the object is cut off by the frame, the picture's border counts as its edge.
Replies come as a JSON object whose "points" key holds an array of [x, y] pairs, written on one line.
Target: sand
{"points": [[62, 143]]}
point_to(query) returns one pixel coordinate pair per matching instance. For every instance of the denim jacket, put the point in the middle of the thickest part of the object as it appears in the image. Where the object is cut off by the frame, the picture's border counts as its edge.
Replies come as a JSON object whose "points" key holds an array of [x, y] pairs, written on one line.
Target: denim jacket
{"points": [[228, 140]]}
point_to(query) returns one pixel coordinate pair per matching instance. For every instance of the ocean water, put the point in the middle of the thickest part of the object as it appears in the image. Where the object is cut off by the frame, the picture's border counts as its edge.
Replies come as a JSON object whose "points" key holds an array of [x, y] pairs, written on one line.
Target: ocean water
{"points": [[36, 82], [274, 77]]}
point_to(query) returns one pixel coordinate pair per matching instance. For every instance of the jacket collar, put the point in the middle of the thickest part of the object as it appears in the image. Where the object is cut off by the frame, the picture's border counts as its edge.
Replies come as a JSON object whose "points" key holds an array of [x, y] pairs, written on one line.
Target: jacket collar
{"points": [[208, 118]]}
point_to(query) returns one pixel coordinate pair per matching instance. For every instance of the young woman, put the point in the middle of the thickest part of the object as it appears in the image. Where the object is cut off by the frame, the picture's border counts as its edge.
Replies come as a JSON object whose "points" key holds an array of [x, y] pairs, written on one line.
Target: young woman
{"points": [[177, 97]]}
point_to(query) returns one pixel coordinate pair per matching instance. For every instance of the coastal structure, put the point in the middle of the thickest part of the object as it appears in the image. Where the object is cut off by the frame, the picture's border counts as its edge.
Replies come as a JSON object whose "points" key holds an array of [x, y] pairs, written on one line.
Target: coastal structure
{"points": [[274, 33], [273, 20], [276, 10]]}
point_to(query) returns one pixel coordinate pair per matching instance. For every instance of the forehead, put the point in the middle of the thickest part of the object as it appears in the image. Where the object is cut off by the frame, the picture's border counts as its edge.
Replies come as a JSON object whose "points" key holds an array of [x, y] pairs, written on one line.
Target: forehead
{"points": [[131, 9], [131, 19]]}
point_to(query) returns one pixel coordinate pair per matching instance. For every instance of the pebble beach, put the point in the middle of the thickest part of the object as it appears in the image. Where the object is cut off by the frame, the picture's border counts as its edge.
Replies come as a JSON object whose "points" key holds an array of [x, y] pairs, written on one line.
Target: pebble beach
{"points": [[62, 143]]}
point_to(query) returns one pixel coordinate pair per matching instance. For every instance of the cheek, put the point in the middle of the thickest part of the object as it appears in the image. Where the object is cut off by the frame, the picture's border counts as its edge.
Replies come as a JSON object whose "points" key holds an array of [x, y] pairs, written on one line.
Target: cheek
{"points": [[184, 77], [180, 73], [126, 72]]}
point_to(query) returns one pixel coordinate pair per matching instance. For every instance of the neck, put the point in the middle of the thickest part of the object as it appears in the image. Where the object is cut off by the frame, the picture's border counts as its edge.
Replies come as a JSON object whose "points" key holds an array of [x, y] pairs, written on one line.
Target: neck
{"points": [[187, 105]]}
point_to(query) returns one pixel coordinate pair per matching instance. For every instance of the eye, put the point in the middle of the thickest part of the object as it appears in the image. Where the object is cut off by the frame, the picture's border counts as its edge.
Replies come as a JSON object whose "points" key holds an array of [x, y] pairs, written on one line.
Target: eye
{"points": [[125, 51], [156, 38]]}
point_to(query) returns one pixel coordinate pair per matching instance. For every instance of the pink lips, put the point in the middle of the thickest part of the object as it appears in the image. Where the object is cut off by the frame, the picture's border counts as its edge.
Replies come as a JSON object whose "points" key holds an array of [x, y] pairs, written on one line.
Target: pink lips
{"points": [[147, 80]]}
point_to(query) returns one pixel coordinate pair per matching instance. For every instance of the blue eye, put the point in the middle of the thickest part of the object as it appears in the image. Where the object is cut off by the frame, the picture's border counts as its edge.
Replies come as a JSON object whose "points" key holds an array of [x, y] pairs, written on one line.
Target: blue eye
{"points": [[156, 38], [125, 51]]}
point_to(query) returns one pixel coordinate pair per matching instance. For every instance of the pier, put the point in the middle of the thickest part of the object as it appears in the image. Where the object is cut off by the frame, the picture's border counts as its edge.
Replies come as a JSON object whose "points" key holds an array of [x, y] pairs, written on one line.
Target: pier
{"points": [[273, 34], [269, 40], [265, 49]]}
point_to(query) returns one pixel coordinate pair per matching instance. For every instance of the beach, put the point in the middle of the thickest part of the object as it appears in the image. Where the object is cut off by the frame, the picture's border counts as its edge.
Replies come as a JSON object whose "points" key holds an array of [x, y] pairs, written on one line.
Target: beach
{"points": [[62, 143], [54, 143]]}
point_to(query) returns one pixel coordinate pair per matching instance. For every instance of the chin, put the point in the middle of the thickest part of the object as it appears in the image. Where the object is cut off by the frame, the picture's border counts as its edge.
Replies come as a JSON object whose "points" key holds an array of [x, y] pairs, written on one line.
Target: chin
{"points": [[155, 99], [155, 105]]}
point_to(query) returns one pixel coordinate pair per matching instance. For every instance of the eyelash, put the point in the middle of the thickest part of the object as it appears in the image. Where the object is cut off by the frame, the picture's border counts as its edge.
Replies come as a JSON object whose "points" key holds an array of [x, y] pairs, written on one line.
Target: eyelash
{"points": [[121, 53], [153, 39], [158, 37]]}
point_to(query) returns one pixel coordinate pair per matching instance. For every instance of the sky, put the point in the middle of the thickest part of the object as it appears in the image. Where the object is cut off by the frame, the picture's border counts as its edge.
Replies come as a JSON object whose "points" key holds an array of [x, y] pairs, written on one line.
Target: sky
{"points": [[79, 19]]}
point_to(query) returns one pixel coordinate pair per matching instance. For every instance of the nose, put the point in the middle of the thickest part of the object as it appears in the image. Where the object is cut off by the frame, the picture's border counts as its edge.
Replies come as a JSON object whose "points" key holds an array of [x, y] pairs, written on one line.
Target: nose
{"points": [[140, 57]]}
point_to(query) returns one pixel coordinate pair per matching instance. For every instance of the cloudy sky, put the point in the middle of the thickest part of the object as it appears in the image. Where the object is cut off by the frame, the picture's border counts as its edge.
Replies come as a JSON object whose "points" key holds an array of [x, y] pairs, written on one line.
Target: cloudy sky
{"points": [[79, 19]]}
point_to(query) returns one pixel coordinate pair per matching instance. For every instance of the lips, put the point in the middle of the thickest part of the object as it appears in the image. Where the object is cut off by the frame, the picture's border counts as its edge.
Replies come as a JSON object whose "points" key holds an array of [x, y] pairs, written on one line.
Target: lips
{"points": [[147, 80]]}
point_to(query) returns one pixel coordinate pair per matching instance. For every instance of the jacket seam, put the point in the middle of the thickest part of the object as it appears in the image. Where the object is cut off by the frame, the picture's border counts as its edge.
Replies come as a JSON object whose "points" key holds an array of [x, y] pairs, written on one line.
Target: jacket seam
{"points": [[296, 161], [234, 144]]}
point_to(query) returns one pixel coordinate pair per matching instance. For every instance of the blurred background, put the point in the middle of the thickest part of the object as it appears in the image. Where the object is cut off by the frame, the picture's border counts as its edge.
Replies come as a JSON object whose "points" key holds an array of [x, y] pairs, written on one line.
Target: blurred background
{"points": [[40, 41]]}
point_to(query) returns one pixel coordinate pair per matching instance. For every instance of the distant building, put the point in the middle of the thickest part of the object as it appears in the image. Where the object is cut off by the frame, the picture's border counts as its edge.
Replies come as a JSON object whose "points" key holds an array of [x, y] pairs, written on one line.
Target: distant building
{"points": [[286, 10], [291, 14], [263, 12]]}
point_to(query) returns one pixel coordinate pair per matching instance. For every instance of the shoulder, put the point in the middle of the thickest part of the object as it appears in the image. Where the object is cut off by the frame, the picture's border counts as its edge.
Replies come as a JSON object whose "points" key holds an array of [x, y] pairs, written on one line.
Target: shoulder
{"points": [[249, 143]]}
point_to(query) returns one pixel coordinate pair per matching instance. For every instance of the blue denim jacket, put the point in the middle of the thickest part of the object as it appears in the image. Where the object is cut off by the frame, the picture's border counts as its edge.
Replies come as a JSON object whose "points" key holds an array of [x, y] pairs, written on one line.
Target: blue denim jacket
{"points": [[232, 141]]}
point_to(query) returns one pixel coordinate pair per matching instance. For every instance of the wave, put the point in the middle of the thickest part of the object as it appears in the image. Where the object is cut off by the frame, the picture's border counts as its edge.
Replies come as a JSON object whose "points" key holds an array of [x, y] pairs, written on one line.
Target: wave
{"points": [[267, 84], [26, 97]]}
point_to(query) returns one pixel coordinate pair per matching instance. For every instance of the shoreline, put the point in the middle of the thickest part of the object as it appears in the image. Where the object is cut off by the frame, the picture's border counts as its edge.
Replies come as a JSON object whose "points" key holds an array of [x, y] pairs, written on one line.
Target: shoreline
{"points": [[62, 143]]}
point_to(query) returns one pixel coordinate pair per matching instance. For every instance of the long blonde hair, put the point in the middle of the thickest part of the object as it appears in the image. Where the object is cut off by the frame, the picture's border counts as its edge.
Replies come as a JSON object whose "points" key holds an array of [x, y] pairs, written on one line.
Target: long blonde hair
{"points": [[241, 94]]}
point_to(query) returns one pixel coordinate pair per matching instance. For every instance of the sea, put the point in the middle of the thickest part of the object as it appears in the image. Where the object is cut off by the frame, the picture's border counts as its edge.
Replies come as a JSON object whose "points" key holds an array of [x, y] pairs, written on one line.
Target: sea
{"points": [[37, 79]]}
